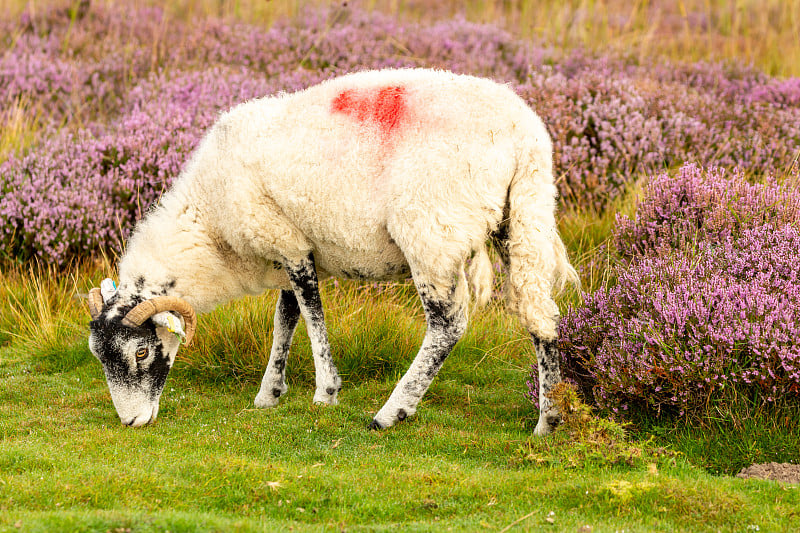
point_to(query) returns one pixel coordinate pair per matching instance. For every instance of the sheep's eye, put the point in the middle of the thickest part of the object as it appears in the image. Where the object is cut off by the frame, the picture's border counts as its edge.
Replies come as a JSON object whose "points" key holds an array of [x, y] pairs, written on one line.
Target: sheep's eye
{"points": [[141, 353]]}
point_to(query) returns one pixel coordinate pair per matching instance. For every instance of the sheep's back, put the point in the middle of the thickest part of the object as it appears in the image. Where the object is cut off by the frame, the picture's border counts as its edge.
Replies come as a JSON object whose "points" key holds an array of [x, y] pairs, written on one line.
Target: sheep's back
{"points": [[342, 159]]}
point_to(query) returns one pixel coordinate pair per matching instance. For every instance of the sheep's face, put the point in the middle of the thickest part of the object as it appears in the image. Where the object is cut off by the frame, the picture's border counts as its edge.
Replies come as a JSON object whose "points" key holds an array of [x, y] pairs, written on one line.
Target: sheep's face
{"points": [[136, 361]]}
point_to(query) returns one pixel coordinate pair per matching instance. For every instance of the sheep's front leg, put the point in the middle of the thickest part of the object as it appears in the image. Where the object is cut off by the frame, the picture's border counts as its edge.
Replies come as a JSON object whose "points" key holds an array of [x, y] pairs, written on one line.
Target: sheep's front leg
{"points": [[447, 321], [273, 385], [303, 277], [549, 376]]}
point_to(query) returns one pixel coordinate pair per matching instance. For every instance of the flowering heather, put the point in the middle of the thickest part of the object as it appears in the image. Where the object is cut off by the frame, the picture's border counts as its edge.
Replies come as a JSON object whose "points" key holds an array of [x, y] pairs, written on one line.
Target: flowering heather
{"points": [[610, 124], [706, 303], [119, 79], [784, 93], [77, 194], [73, 71], [325, 43], [701, 205]]}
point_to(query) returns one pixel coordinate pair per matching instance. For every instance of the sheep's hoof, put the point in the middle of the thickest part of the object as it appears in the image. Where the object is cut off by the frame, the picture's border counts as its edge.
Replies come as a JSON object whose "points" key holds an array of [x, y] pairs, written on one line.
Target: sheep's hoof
{"points": [[270, 397], [324, 397], [547, 423], [267, 401], [383, 420]]}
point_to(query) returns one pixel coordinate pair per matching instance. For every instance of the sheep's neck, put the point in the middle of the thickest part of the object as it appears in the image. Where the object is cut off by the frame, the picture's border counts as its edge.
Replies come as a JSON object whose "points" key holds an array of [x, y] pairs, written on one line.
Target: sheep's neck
{"points": [[188, 262]]}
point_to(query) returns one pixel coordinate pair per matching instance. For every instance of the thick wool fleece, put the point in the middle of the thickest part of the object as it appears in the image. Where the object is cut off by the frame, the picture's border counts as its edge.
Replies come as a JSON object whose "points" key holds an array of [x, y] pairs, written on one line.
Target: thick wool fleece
{"points": [[378, 174]]}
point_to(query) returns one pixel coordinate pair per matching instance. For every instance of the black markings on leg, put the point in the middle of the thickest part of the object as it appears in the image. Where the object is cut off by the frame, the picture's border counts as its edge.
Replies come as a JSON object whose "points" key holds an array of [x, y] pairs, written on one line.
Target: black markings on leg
{"points": [[547, 356], [273, 385], [445, 328], [288, 311], [446, 324], [287, 314], [303, 278]]}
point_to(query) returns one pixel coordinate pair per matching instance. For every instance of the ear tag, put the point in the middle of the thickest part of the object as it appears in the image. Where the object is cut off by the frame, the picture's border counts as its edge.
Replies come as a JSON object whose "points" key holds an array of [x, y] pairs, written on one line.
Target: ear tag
{"points": [[108, 288], [171, 322], [174, 325]]}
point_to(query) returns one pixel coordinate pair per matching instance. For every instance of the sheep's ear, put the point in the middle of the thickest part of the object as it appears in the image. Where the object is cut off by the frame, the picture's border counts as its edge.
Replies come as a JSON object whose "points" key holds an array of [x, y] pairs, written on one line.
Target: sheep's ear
{"points": [[108, 288], [169, 320]]}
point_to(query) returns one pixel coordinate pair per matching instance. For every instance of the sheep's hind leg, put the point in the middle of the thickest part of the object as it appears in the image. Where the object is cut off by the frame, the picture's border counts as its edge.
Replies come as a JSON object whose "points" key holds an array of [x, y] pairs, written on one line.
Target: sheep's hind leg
{"points": [[549, 376], [447, 321], [273, 385], [303, 277]]}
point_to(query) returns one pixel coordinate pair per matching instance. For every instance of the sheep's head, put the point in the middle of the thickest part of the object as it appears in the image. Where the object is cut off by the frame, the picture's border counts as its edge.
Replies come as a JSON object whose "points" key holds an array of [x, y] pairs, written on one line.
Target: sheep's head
{"points": [[137, 346]]}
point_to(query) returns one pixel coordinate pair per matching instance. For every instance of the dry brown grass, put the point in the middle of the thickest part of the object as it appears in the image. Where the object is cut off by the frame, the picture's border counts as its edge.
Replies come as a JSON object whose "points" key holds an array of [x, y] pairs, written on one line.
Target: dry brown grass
{"points": [[765, 33]]}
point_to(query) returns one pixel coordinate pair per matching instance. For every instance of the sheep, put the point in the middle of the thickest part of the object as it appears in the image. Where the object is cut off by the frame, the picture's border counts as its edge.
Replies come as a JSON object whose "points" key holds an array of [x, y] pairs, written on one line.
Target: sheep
{"points": [[376, 175]]}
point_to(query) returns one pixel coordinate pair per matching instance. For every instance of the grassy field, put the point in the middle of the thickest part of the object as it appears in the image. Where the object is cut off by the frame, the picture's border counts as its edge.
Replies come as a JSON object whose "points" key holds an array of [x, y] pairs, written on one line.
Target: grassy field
{"points": [[212, 462], [466, 461]]}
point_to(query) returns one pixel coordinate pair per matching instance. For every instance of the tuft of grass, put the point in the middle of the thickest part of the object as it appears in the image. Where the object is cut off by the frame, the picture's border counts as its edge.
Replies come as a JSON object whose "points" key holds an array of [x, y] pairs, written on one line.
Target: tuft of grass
{"points": [[586, 440], [19, 128], [43, 309], [36, 309]]}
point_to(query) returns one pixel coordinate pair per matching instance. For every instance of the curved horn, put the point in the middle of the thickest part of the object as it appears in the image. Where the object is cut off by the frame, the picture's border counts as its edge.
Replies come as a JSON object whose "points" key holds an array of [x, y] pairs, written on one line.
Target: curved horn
{"points": [[95, 303], [148, 308]]}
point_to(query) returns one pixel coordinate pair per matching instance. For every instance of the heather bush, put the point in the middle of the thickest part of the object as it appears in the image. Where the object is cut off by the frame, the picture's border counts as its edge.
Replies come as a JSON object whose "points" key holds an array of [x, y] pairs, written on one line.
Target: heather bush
{"points": [[611, 124], [135, 89], [76, 194], [699, 206], [784, 93], [706, 305], [73, 70]]}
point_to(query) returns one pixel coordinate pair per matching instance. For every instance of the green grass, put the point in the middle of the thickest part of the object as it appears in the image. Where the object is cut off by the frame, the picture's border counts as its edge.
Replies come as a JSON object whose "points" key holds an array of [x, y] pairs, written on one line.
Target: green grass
{"points": [[211, 462], [732, 437]]}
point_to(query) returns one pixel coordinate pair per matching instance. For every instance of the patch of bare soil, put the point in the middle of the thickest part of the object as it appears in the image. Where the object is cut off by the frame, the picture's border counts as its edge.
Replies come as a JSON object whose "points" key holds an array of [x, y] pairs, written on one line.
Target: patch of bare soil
{"points": [[783, 472]]}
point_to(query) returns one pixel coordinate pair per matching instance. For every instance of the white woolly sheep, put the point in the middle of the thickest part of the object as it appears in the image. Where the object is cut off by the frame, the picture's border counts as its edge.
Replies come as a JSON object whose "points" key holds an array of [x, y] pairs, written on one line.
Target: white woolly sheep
{"points": [[374, 176]]}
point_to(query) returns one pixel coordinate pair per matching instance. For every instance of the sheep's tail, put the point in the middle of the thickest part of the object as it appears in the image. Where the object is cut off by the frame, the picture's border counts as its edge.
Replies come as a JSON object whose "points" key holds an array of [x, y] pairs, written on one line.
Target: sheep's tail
{"points": [[532, 249]]}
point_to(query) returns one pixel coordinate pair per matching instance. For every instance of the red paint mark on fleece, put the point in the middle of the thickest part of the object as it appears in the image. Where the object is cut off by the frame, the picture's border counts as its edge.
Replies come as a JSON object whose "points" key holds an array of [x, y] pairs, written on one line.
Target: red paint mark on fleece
{"points": [[384, 107]]}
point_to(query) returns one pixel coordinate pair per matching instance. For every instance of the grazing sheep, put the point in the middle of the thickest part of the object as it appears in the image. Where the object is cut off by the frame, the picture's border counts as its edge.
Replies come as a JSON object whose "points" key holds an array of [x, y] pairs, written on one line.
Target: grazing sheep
{"points": [[373, 176]]}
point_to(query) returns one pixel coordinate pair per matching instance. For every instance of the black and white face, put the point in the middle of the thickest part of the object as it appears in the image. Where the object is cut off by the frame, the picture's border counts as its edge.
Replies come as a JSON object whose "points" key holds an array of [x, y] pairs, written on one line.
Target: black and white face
{"points": [[136, 361]]}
